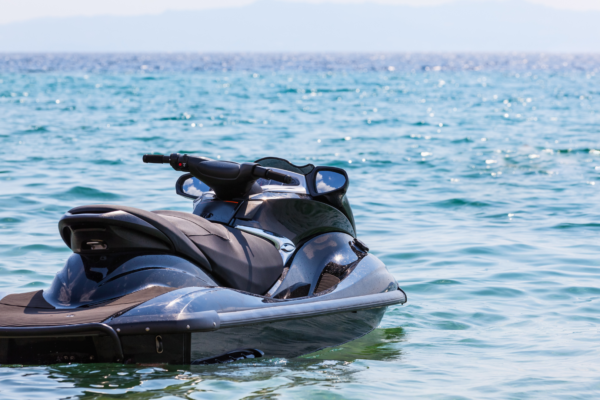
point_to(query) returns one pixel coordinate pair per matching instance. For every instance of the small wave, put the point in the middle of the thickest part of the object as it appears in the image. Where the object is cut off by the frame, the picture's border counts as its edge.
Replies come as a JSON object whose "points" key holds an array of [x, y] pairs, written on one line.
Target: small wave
{"points": [[148, 138], [240, 96], [408, 255], [581, 290], [571, 225], [35, 129], [387, 122], [463, 140], [192, 152], [23, 272], [585, 150], [10, 220], [505, 217], [481, 250], [84, 193], [34, 248], [180, 117], [107, 162], [42, 247], [289, 90], [458, 202], [498, 292], [450, 326], [9, 202], [486, 318], [445, 282], [35, 284]]}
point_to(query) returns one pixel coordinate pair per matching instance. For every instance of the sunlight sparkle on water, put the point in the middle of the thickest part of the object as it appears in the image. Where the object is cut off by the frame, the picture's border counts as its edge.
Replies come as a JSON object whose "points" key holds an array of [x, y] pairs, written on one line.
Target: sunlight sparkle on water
{"points": [[495, 247]]}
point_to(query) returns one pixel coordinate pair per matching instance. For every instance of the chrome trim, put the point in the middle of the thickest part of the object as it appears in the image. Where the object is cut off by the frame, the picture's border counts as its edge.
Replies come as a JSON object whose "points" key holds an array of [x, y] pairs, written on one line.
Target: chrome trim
{"points": [[295, 309], [278, 195], [284, 189], [284, 245], [276, 285]]}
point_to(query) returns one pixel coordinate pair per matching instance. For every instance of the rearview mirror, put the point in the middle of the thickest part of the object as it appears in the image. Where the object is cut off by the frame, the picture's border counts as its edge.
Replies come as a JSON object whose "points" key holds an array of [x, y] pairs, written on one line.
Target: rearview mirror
{"points": [[328, 181], [190, 187], [325, 180]]}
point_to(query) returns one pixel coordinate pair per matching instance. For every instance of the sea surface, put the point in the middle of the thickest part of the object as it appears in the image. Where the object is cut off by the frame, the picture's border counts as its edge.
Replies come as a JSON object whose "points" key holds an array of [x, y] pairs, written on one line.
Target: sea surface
{"points": [[474, 177]]}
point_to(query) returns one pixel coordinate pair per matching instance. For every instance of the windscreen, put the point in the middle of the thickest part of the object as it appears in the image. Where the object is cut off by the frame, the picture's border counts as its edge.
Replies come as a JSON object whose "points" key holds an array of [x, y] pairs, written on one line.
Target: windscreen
{"points": [[264, 182], [274, 162]]}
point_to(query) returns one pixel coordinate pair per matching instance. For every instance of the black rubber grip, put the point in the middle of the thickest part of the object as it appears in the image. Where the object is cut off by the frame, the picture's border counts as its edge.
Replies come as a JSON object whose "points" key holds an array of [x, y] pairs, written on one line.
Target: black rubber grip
{"points": [[155, 159], [277, 176]]}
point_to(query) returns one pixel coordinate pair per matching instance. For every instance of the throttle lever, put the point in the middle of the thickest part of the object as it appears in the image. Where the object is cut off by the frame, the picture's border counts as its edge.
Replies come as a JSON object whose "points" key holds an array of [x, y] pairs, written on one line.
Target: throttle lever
{"points": [[155, 159], [179, 162]]}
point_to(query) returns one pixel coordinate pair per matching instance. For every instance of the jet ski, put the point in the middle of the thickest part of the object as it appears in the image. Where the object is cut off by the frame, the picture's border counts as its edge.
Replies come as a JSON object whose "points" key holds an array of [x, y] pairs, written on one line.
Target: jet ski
{"points": [[268, 264]]}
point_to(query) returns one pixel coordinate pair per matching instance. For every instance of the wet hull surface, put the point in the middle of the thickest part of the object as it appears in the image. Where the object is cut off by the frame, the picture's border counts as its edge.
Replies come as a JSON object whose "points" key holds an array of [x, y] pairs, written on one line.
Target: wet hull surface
{"points": [[290, 338]]}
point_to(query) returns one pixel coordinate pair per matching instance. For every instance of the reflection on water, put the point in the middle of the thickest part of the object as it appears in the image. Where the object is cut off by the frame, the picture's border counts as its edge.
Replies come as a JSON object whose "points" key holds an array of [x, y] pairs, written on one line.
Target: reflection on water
{"points": [[244, 379], [380, 345]]}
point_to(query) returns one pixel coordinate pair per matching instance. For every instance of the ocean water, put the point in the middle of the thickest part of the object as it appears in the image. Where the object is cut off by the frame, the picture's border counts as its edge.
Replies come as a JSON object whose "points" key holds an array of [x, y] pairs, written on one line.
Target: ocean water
{"points": [[475, 178]]}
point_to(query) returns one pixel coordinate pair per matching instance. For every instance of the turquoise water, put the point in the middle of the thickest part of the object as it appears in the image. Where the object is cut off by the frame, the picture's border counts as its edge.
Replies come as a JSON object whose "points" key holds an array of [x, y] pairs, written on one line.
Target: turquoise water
{"points": [[475, 178]]}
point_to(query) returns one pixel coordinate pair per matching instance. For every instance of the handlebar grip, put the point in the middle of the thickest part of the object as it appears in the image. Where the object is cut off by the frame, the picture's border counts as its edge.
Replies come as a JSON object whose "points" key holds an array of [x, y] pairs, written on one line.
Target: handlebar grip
{"points": [[268, 173], [277, 176], [155, 159]]}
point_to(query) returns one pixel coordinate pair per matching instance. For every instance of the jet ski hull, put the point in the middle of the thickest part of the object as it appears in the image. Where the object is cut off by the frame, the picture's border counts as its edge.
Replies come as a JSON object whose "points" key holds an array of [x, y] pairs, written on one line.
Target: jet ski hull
{"points": [[161, 309], [298, 329], [287, 339]]}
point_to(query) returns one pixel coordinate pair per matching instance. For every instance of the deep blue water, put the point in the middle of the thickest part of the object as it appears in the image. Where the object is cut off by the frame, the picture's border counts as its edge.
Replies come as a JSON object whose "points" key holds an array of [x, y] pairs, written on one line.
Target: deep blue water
{"points": [[475, 178]]}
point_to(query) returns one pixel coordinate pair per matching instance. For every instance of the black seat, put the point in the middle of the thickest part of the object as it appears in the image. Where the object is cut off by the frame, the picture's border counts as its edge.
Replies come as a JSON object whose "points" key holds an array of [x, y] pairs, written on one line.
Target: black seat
{"points": [[240, 260]]}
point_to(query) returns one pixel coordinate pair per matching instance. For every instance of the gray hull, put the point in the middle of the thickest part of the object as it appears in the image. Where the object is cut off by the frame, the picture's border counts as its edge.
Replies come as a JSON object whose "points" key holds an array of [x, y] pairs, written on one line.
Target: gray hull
{"points": [[290, 338], [184, 325]]}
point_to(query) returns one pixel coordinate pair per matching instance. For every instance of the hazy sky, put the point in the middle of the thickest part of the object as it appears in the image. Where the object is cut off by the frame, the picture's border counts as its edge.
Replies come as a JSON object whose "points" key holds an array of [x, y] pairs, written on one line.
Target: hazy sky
{"points": [[22, 10]]}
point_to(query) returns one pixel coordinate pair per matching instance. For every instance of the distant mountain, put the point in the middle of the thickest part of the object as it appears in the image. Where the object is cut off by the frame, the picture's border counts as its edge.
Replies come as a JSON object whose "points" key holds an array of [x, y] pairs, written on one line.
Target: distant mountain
{"points": [[272, 26]]}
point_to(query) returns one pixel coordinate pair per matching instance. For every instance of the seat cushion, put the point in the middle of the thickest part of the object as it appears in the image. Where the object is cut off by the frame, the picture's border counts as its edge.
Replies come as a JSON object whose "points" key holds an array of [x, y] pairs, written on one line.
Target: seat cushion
{"points": [[178, 241], [194, 225], [239, 259]]}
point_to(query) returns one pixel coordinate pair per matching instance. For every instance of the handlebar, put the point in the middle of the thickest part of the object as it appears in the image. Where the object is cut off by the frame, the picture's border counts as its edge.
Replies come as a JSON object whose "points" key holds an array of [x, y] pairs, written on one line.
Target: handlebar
{"points": [[228, 178]]}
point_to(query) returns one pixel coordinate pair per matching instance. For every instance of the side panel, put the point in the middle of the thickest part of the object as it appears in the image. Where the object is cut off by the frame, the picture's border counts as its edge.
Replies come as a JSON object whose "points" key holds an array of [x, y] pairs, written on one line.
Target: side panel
{"points": [[4, 351], [161, 349], [174, 349], [370, 276], [92, 279], [291, 338], [51, 350]]}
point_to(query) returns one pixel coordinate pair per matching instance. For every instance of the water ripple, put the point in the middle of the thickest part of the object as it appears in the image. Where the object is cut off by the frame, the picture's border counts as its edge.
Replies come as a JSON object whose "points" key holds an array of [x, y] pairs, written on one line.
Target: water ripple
{"points": [[481, 195]]}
